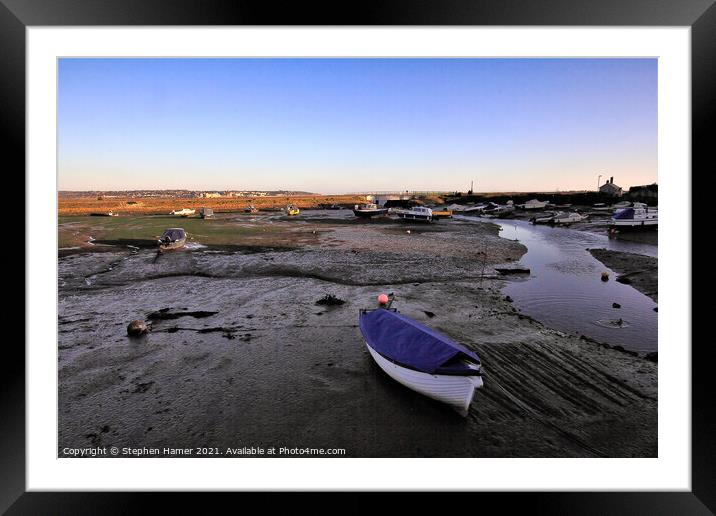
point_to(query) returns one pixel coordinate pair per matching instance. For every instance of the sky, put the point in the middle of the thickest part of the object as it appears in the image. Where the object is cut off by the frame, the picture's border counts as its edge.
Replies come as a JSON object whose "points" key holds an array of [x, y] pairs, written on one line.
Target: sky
{"points": [[356, 125]]}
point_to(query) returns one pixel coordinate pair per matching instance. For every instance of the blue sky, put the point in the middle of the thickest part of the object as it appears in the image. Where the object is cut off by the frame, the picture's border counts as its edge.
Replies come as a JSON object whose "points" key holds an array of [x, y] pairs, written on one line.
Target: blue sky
{"points": [[349, 125]]}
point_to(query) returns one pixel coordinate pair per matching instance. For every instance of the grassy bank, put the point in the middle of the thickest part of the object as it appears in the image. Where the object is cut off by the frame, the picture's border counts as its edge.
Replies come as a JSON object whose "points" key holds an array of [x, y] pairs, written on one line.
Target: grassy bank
{"points": [[157, 206]]}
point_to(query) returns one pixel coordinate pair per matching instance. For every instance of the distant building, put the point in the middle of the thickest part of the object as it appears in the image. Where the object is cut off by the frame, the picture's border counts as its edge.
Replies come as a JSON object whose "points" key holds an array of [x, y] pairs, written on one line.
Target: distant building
{"points": [[651, 190], [382, 199], [609, 188]]}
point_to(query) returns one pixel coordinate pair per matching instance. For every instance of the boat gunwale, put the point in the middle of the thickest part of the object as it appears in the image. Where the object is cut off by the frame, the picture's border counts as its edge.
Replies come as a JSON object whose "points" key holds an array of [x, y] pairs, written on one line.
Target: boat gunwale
{"points": [[438, 372], [468, 371]]}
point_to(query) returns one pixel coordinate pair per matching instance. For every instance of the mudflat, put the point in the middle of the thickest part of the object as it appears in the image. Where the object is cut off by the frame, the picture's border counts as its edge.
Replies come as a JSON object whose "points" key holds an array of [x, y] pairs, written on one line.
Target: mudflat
{"points": [[637, 270], [241, 354]]}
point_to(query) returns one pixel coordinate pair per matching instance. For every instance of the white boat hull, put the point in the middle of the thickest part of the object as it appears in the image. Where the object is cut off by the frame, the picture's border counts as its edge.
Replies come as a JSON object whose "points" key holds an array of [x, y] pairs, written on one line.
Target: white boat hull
{"points": [[566, 221], [456, 391], [631, 223], [417, 218]]}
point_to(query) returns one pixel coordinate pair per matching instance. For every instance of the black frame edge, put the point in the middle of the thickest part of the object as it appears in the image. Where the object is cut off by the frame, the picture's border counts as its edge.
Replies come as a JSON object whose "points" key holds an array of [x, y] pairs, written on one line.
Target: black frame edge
{"points": [[368, 12], [12, 370], [699, 14], [703, 113]]}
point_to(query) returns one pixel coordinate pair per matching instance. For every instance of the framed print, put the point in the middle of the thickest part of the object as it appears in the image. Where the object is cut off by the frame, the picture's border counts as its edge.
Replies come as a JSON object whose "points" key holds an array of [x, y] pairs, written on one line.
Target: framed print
{"points": [[414, 250]]}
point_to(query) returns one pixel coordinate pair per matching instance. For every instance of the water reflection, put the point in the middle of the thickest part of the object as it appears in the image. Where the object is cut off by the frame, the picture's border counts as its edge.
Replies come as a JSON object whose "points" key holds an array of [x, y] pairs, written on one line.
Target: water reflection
{"points": [[565, 292]]}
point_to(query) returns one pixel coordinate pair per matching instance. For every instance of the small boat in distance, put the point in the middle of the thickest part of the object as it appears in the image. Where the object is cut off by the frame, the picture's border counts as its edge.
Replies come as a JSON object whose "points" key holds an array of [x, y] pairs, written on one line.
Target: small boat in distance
{"points": [[456, 208], [499, 211], [600, 206], [292, 210], [108, 214], [534, 204], [468, 209], [543, 218], [184, 212], [416, 213], [369, 210], [251, 209], [172, 238], [442, 213], [639, 216], [206, 213], [421, 358], [563, 218]]}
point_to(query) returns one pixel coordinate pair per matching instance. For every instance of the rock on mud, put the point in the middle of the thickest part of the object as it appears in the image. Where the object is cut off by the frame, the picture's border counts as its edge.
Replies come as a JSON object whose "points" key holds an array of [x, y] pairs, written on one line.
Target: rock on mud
{"points": [[137, 328], [637, 270], [330, 300]]}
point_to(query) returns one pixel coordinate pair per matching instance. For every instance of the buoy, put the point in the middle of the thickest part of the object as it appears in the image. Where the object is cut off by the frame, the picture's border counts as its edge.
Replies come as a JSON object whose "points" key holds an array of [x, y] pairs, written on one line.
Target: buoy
{"points": [[605, 276], [383, 299]]}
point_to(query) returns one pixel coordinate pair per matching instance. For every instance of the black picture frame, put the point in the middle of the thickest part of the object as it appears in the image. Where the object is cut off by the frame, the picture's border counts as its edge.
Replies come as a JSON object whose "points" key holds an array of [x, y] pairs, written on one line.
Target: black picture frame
{"points": [[700, 15]]}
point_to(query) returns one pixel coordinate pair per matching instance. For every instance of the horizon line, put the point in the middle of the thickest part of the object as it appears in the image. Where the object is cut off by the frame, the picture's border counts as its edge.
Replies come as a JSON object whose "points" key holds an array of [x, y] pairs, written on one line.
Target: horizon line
{"points": [[359, 192]]}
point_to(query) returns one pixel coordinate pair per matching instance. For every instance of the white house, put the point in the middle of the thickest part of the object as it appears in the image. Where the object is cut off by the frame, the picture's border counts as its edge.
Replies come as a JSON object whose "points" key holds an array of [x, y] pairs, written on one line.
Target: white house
{"points": [[609, 188]]}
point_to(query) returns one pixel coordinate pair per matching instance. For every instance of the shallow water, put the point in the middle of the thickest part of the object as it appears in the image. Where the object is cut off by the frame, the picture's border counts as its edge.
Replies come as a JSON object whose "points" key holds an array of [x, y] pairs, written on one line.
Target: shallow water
{"points": [[565, 291]]}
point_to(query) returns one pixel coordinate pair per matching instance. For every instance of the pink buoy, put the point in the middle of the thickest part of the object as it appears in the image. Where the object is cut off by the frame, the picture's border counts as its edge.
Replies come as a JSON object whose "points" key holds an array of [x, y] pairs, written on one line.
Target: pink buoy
{"points": [[383, 299]]}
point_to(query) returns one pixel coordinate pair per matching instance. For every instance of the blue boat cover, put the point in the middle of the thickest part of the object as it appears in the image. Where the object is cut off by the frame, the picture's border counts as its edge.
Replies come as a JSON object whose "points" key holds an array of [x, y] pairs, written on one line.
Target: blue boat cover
{"points": [[410, 343], [625, 213]]}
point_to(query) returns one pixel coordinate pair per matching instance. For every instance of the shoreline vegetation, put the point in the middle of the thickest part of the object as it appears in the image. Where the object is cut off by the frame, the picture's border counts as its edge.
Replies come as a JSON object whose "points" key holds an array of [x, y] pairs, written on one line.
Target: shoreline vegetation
{"points": [[269, 366], [78, 206]]}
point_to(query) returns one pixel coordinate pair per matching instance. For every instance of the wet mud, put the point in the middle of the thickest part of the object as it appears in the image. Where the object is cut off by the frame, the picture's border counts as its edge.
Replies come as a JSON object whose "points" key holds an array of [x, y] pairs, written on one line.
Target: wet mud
{"points": [[240, 354]]}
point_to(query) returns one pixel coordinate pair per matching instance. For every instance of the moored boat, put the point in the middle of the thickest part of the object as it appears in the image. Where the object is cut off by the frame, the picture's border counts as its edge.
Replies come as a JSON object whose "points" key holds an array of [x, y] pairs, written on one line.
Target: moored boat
{"points": [[543, 218], [442, 213], [206, 213], [499, 211], [563, 218], [456, 208], [534, 204], [292, 210], [172, 238], [184, 212], [416, 213], [251, 209], [421, 358], [369, 210], [467, 209], [638, 216]]}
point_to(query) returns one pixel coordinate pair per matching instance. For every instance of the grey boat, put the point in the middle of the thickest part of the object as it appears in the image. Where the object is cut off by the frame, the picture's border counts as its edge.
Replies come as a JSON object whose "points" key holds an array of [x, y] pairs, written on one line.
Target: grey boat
{"points": [[173, 238]]}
